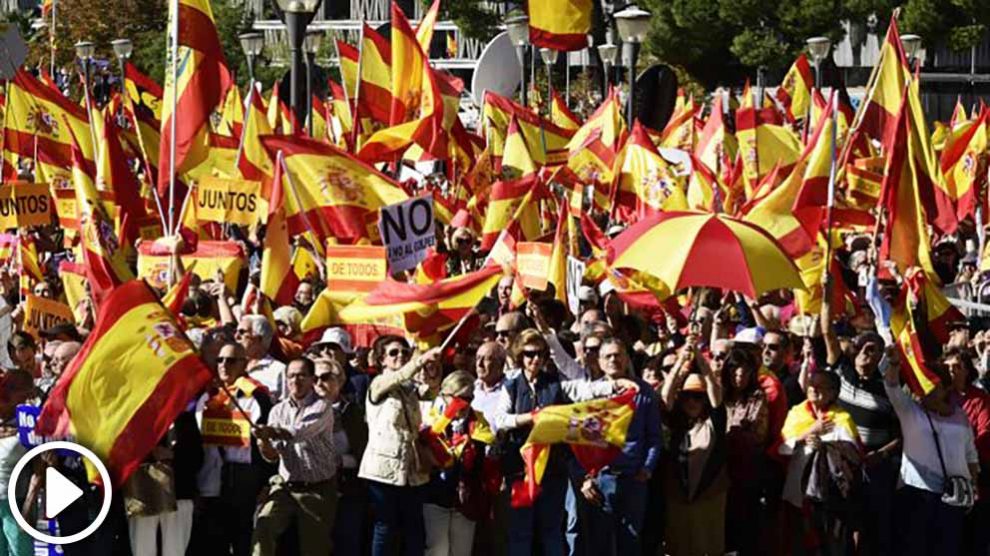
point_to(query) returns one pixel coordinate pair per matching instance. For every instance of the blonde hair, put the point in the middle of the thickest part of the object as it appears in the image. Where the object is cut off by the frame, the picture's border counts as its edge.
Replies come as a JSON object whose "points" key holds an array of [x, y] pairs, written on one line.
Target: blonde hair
{"points": [[528, 337]]}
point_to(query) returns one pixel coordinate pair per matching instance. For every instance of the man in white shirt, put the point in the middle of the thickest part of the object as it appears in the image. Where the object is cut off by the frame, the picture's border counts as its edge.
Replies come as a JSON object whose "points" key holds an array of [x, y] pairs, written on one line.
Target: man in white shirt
{"points": [[489, 368], [255, 333]]}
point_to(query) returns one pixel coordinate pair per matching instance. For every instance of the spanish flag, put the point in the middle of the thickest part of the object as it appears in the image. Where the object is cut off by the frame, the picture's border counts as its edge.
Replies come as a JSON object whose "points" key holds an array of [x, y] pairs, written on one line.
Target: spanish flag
{"points": [[39, 124], [513, 206], [333, 194], [803, 416], [231, 121], [794, 94], [717, 146], [426, 308], [764, 143], [104, 404], [350, 62], [679, 133], [885, 89], [561, 115], [375, 83], [143, 104], [905, 237], [964, 163], [498, 112], [278, 282], [704, 191], [920, 325], [594, 148], [202, 81], [101, 250], [113, 174], [516, 160], [596, 431], [424, 32], [254, 162], [645, 183], [560, 24]]}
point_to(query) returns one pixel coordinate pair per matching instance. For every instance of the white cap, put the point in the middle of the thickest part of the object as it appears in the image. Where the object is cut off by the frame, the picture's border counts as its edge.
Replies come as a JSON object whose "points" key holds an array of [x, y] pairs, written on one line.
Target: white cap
{"points": [[605, 287], [337, 336], [748, 336]]}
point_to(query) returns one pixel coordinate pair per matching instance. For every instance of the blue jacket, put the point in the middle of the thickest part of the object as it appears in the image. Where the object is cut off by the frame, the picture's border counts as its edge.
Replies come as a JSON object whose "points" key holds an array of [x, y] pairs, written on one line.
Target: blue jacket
{"points": [[643, 440]]}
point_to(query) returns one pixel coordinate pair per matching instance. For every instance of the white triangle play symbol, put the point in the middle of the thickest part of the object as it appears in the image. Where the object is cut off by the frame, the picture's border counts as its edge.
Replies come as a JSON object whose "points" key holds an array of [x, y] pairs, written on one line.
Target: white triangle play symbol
{"points": [[59, 492]]}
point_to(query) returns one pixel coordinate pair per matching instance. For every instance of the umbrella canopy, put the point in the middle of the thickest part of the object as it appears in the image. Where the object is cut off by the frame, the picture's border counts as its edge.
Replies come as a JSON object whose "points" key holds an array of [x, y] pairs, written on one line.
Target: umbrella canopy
{"points": [[700, 249]]}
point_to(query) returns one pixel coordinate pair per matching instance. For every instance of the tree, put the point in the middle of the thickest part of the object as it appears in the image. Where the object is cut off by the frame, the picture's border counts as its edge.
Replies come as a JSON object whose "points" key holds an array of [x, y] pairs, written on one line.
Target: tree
{"points": [[959, 24], [722, 41]]}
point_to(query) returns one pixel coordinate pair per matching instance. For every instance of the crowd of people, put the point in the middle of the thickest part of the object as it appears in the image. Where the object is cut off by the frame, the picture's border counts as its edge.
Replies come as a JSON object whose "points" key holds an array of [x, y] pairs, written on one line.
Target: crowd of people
{"points": [[756, 430]]}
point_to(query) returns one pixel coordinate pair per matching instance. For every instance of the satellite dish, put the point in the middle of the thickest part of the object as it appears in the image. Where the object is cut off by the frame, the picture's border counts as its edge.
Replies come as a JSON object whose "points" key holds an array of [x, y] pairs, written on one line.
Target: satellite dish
{"points": [[656, 93], [497, 71]]}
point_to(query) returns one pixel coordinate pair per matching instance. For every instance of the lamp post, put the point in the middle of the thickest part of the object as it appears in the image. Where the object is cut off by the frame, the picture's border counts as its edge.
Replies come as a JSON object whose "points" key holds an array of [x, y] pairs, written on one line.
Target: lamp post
{"points": [[84, 52], [123, 48], [549, 57], [818, 47], [911, 45], [251, 44], [607, 52], [296, 14], [311, 46], [633, 24], [517, 24]]}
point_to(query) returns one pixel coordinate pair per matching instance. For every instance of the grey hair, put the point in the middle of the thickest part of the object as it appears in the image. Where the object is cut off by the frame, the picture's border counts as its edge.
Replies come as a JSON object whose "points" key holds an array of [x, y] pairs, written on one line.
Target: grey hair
{"points": [[260, 327]]}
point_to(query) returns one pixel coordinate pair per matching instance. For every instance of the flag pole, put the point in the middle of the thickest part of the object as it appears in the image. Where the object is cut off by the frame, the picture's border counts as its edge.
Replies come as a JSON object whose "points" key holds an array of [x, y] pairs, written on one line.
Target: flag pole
{"points": [[247, 108], [51, 40], [355, 113], [174, 47], [457, 328], [126, 100], [295, 194], [833, 109]]}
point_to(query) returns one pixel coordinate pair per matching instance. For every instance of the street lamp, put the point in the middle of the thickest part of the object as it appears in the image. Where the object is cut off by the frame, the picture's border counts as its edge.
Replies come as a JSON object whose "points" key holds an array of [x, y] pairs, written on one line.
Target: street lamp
{"points": [[517, 24], [84, 52], [549, 57], [311, 46], [296, 14], [633, 24], [123, 48], [911, 45], [607, 52], [818, 47], [251, 44]]}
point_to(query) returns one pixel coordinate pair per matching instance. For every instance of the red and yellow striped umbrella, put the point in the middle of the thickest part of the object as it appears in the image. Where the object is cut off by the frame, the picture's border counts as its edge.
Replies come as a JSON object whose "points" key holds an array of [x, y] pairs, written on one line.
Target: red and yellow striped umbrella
{"points": [[700, 249]]}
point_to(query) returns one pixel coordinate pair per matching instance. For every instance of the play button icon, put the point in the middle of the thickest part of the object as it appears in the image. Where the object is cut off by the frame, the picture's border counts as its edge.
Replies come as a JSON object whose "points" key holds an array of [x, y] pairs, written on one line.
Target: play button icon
{"points": [[60, 492]]}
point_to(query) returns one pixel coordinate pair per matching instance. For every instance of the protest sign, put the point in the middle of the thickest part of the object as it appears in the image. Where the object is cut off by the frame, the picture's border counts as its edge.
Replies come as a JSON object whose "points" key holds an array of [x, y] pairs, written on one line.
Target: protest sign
{"points": [[408, 231], [228, 201], [575, 274], [355, 268], [24, 204], [41, 314], [533, 264]]}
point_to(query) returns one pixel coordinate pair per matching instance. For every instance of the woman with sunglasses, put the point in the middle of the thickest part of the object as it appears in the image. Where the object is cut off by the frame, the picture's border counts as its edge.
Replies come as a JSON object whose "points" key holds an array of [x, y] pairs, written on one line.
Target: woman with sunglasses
{"points": [[391, 463], [695, 478], [531, 389]]}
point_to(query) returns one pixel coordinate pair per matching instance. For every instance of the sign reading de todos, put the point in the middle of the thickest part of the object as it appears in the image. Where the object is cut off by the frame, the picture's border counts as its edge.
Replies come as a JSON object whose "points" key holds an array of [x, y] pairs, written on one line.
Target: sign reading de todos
{"points": [[408, 231]]}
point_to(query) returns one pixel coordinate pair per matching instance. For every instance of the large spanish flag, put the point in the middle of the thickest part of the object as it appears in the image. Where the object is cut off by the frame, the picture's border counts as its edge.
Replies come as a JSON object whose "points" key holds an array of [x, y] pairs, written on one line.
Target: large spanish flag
{"points": [[253, 161], [516, 160], [513, 206], [332, 193], [497, 113], [143, 105], [596, 431], [560, 24], [885, 90], [202, 81], [716, 146], [278, 282], [964, 163], [134, 375], [350, 63], [765, 143], [375, 79]]}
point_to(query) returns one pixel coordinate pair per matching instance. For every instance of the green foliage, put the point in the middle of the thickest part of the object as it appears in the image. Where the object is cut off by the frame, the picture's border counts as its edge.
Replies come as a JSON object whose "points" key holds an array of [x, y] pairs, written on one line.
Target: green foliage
{"points": [[473, 19], [960, 24]]}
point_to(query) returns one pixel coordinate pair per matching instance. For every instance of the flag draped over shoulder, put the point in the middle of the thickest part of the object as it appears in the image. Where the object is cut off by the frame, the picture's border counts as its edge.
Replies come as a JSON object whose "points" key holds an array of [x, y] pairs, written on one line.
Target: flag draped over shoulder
{"points": [[202, 81], [560, 24], [596, 431], [104, 403]]}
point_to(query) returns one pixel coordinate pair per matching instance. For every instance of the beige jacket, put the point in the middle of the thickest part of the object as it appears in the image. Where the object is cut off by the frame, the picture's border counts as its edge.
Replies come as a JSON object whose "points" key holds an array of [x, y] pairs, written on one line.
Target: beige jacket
{"points": [[393, 424]]}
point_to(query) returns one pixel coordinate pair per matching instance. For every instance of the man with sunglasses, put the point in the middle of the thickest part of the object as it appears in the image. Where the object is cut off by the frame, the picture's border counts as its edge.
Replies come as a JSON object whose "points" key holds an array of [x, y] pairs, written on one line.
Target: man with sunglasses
{"points": [[233, 472], [507, 327], [617, 495]]}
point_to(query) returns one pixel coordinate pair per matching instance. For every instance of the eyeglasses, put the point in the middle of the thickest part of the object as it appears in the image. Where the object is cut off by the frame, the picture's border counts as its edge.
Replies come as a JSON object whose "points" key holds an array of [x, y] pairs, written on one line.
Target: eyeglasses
{"points": [[504, 333], [720, 356], [240, 332], [533, 353], [230, 359], [592, 349], [397, 353]]}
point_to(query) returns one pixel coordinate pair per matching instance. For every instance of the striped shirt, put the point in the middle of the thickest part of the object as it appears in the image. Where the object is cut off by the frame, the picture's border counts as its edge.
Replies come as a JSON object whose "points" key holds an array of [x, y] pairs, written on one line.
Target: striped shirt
{"points": [[309, 456], [867, 403]]}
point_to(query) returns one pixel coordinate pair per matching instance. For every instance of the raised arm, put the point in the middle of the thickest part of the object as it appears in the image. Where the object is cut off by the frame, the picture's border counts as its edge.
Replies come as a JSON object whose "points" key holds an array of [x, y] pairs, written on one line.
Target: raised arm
{"points": [[385, 383], [832, 349]]}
